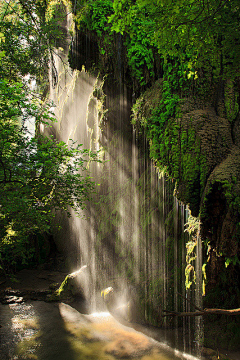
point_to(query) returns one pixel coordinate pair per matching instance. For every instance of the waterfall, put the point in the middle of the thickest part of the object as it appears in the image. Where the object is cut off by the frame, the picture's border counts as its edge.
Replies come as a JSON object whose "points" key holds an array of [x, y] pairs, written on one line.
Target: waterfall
{"points": [[132, 235]]}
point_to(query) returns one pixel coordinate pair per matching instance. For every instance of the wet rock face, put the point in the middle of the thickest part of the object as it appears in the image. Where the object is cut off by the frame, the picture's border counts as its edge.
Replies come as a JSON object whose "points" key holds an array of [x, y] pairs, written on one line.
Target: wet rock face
{"points": [[220, 225], [205, 140], [191, 144], [200, 149], [219, 184], [236, 131], [208, 142], [220, 219]]}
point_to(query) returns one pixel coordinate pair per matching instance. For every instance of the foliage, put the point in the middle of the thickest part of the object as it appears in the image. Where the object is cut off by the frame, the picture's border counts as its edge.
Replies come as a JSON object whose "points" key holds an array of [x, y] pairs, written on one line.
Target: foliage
{"points": [[166, 110], [38, 175], [98, 17], [30, 33], [193, 229], [192, 30], [129, 19], [93, 15], [194, 37]]}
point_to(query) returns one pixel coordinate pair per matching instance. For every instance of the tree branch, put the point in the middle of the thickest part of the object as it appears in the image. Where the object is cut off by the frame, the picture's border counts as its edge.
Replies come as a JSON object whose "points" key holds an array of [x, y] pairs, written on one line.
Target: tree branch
{"points": [[190, 302], [204, 312], [5, 10], [25, 7], [204, 19]]}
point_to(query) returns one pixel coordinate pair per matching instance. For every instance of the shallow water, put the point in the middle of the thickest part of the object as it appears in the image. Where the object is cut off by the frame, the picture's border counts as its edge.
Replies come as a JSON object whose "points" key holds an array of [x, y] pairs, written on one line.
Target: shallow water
{"points": [[45, 331]]}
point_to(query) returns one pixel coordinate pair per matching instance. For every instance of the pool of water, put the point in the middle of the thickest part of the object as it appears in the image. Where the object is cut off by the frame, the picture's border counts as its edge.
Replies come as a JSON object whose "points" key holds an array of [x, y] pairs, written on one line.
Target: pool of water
{"points": [[51, 331]]}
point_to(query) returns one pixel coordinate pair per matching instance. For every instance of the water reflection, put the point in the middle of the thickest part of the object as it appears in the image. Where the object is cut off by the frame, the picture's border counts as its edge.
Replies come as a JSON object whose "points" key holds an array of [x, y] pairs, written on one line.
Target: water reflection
{"points": [[43, 331]]}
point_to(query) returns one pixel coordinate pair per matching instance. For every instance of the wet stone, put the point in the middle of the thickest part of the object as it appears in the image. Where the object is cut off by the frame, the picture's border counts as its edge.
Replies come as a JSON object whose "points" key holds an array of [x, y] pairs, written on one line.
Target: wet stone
{"points": [[12, 299]]}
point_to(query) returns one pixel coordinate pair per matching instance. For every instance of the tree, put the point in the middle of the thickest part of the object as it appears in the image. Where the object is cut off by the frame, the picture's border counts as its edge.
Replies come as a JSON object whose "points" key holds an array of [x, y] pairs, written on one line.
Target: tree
{"points": [[38, 175], [193, 31]]}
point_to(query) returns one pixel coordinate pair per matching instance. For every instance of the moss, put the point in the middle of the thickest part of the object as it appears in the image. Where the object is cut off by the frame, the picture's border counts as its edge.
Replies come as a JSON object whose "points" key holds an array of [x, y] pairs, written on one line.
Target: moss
{"points": [[180, 147], [231, 101], [188, 139], [196, 149], [67, 289]]}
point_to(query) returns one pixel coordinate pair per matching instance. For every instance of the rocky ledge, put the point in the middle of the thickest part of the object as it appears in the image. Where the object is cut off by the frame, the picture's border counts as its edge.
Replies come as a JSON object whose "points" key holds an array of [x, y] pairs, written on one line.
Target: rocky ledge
{"points": [[30, 285]]}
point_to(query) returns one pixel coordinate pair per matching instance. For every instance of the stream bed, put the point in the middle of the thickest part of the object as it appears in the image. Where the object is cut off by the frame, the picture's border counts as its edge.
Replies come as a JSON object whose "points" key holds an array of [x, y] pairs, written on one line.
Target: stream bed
{"points": [[39, 330]]}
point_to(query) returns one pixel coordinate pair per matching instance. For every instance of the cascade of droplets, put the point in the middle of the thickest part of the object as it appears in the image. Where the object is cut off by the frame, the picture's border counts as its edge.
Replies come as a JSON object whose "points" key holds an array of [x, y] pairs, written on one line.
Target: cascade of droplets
{"points": [[132, 237]]}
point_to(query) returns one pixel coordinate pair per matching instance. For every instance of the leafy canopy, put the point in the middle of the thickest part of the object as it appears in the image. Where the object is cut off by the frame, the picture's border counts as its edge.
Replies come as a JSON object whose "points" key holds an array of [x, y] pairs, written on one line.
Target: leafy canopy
{"points": [[199, 33], [194, 30]]}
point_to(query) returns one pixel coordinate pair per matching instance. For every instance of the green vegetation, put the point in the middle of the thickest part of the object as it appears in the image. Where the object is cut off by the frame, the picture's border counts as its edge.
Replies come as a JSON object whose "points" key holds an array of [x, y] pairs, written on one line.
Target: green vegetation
{"points": [[198, 35], [192, 31], [39, 176], [192, 46], [183, 60]]}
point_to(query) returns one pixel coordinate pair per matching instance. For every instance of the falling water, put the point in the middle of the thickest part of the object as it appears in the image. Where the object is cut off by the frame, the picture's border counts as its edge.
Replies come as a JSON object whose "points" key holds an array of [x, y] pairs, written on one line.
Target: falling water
{"points": [[132, 237]]}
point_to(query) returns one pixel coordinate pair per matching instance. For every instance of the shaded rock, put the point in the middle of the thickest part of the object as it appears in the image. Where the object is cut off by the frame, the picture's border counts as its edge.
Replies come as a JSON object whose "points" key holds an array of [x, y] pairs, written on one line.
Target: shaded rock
{"points": [[220, 217], [29, 284], [18, 296], [12, 299], [210, 354], [70, 287]]}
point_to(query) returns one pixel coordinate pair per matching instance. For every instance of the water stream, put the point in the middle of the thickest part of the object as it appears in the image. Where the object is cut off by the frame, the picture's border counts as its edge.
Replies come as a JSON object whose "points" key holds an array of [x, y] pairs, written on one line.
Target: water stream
{"points": [[132, 236], [45, 331]]}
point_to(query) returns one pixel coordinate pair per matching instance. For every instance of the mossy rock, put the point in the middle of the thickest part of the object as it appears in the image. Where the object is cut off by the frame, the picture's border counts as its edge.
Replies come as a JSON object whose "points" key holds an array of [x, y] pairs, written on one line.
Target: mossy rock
{"points": [[70, 287], [189, 145], [198, 148], [221, 204]]}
